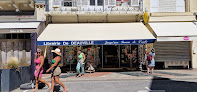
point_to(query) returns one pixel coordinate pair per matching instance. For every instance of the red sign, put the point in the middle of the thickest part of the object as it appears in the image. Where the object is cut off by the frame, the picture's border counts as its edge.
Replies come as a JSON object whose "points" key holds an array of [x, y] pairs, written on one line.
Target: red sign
{"points": [[186, 38]]}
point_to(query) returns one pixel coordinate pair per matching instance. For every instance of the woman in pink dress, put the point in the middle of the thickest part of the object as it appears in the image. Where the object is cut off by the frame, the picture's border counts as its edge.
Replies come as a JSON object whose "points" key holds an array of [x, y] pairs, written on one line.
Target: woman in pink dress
{"points": [[39, 61]]}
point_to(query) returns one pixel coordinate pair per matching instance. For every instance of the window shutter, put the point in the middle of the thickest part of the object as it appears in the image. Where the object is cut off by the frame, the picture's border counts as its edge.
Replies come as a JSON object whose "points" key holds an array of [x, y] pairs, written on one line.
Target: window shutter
{"points": [[135, 2], [154, 5], [79, 2], [106, 2], [57, 3], [85, 2], [167, 6], [180, 5], [112, 2], [172, 51]]}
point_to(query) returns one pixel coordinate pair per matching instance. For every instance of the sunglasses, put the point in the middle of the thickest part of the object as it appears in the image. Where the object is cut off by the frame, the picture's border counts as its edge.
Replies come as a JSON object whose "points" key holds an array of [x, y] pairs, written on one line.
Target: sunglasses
{"points": [[38, 52]]}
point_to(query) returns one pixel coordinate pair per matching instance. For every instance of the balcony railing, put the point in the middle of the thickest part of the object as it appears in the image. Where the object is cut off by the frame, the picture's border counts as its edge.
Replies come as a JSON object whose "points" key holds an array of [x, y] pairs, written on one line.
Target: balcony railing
{"points": [[88, 8], [93, 9]]}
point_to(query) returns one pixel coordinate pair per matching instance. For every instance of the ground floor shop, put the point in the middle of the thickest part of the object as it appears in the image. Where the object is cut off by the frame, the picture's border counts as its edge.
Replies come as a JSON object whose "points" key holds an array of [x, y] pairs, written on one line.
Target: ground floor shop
{"points": [[101, 56], [175, 45], [17, 39], [15, 45], [106, 45], [175, 54]]}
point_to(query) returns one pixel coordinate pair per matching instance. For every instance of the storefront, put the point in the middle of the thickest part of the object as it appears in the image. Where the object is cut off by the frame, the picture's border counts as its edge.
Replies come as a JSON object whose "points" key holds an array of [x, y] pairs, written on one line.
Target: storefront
{"points": [[106, 45], [173, 46], [18, 39]]}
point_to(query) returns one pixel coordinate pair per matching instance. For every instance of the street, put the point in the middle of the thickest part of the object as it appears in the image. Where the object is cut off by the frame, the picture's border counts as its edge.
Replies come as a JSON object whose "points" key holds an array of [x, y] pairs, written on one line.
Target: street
{"points": [[128, 86]]}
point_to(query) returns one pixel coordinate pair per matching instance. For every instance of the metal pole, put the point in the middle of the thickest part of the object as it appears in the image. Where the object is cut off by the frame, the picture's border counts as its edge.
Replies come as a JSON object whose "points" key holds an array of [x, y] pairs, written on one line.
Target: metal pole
{"points": [[119, 56], [103, 5], [102, 56]]}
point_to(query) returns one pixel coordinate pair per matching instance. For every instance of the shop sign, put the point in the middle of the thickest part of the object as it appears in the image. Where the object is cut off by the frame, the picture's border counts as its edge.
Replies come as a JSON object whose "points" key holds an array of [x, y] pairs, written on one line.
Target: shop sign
{"points": [[145, 18], [82, 43], [52, 43], [102, 42], [16, 31], [111, 42], [186, 38]]}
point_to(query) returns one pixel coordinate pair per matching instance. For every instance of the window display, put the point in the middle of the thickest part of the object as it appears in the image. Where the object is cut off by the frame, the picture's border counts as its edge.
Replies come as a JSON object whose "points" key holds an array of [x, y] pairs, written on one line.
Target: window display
{"points": [[129, 56], [70, 55], [92, 55], [125, 55]]}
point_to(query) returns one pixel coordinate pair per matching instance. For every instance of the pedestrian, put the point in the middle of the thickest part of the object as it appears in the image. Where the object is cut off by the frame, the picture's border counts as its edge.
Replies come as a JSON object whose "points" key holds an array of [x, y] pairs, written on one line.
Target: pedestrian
{"points": [[80, 63], [39, 61], [56, 71], [151, 61]]}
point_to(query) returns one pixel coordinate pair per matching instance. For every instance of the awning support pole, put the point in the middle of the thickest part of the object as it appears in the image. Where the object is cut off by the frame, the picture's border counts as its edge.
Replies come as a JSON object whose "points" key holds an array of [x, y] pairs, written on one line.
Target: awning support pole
{"points": [[119, 55], [102, 56]]}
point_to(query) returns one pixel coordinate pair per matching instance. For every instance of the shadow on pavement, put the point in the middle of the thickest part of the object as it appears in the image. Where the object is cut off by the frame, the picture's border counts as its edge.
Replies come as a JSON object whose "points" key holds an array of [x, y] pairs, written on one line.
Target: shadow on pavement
{"points": [[68, 75], [57, 88], [160, 84], [137, 74]]}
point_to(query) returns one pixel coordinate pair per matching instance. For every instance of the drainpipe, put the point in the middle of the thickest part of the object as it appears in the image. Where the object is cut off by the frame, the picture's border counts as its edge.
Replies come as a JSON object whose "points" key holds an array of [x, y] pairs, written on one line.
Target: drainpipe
{"points": [[137, 17], [77, 18], [107, 18]]}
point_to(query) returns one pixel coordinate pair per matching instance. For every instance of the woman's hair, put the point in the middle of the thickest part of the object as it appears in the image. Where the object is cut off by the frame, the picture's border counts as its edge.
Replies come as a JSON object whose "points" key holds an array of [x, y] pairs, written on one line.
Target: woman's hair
{"points": [[55, 55], [153, 50], [41, 52]]}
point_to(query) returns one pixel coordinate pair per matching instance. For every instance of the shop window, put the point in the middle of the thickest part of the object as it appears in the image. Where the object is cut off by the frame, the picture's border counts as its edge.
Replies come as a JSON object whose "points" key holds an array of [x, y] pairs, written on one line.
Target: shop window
{"points": [[2, 36], [27, 36], [100, 2], [123, 3], [14, 36], [92, 2], [68, 3], [21, 36], [8, 36]]}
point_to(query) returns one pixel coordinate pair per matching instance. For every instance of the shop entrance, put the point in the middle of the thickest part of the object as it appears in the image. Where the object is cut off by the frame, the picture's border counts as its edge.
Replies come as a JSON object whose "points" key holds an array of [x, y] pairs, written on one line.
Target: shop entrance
{"points": [[110, 54]]}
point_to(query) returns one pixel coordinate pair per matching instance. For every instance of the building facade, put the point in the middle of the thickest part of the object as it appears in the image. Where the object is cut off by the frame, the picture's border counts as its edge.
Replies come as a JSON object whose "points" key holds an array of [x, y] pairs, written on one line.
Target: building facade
{"points": [[19, 29], [102, 53], [177, 48], [168, 22]]}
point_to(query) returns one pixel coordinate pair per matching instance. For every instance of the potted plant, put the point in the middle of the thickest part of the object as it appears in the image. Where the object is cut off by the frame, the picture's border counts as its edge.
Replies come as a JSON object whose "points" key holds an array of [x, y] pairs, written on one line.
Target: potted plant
{"points": [[14, 74]]}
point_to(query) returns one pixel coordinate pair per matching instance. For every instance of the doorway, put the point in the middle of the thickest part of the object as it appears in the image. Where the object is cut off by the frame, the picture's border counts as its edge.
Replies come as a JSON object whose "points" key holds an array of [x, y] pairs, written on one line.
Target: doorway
{"points": [[111, 59]]}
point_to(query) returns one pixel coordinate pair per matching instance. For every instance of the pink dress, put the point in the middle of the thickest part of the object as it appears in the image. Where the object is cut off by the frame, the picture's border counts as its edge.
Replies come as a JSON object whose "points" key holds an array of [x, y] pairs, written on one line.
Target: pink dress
{"points": [[37, 67]]}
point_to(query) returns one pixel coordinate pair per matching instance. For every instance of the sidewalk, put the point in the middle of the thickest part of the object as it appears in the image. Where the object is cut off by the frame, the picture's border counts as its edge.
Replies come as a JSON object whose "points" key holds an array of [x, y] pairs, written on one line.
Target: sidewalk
{"points": [[130, 75], [109, 79]]}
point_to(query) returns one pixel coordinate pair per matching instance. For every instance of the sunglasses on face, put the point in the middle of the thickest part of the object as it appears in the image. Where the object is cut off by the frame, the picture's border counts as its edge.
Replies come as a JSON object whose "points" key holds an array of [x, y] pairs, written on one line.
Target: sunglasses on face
{"points": [[38, 52]]}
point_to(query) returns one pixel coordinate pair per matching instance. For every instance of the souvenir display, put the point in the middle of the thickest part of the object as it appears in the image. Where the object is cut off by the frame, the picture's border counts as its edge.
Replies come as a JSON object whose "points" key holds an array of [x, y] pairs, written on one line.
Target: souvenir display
{"points": [[50, 55], [70, 55]]}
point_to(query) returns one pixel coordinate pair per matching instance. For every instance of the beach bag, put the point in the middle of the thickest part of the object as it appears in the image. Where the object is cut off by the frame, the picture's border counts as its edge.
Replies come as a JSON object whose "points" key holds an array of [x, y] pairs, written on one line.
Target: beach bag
{"points": [[149, 59]]}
